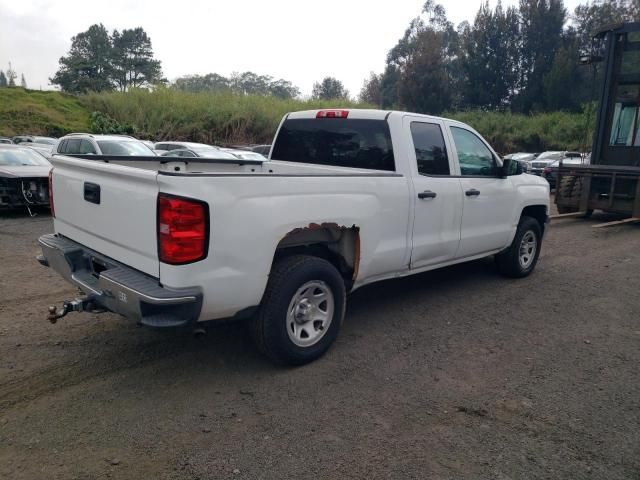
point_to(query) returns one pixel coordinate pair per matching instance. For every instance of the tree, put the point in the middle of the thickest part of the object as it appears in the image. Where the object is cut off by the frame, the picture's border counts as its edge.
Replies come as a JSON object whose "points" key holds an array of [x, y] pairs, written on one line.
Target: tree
{"points": [[423, 63], [23, 82], [490, 58], [329, 89], [11, 76], [371, 90], [541, 30], [201, 83], [247, 83], [3, 80], [132, 59], [87, 67]]}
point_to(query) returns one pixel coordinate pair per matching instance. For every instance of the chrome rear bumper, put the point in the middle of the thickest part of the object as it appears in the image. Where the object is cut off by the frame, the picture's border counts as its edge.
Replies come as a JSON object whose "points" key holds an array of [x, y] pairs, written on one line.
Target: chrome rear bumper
{"points": [[118, 288]]}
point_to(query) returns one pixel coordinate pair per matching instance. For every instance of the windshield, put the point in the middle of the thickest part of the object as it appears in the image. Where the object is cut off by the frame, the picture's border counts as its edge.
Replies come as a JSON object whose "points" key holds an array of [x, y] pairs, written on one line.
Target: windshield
{"points": [[18, 157], [550, 156], [44, 140], [130, 148], [213, 153], [248, 155]]}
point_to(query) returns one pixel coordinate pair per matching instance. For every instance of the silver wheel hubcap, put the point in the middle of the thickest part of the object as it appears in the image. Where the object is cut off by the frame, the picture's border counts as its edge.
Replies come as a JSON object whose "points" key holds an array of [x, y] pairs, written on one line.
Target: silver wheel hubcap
{"points": [[528, 248], [310, 313]]}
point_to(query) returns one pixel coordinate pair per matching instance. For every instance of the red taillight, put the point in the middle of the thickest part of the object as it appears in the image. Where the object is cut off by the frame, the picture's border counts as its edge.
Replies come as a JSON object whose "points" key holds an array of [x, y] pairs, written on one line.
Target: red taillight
{"points": [[53, 210], [546, 170], [183, 230], [332, 114]]}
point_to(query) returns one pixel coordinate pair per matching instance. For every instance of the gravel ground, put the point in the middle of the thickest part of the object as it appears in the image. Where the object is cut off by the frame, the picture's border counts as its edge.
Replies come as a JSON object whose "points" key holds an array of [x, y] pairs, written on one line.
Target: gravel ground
{"points": [[452, 374]]}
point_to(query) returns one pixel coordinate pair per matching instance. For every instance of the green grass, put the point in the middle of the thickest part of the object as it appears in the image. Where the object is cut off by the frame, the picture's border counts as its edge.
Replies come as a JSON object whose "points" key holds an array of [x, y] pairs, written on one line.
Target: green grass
{"points": [[508, 132], [217, 118], [40, 113], [225, 118]]}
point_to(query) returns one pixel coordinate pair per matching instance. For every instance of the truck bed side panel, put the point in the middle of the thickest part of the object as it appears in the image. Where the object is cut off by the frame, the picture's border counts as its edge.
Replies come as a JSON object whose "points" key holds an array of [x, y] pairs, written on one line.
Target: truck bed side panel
{"points": [[250, 215]]}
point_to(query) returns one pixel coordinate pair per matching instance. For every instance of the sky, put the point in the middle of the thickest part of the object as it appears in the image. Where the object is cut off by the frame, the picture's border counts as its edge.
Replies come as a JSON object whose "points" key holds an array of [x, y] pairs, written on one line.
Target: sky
{"points": [[298, 40]]}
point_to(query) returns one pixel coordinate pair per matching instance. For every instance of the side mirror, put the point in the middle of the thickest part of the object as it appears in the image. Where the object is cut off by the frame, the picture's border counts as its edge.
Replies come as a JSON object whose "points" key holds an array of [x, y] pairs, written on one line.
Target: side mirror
{"points": [[511, 167]]}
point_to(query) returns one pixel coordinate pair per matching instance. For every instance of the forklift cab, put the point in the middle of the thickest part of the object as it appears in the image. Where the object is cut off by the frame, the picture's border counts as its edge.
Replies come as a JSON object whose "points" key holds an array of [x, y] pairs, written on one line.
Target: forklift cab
{"points": [[617, 139]]}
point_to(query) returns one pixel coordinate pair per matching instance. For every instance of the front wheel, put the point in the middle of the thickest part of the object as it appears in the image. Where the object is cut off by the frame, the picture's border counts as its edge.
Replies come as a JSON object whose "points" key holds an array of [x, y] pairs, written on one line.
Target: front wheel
{"points": [[301, 311], [521, 257]]}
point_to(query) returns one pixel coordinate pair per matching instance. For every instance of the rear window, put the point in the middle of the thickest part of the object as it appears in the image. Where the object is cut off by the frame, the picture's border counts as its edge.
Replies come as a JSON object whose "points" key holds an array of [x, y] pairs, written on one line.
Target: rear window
{"points": [[338, 142]]}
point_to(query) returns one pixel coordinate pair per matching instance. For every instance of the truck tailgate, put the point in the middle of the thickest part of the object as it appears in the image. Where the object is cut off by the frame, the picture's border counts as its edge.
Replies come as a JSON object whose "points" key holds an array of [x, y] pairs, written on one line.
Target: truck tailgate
{"points": [[109, 208]]}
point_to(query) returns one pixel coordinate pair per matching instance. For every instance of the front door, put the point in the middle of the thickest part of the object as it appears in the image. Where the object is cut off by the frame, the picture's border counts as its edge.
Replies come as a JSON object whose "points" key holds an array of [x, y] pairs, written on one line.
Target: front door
{"points": [[438, 201], [487, 212]]}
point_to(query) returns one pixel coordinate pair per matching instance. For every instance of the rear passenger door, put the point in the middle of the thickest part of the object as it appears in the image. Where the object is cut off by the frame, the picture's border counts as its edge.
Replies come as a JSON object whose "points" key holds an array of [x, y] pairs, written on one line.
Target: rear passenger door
{"points": [[437, 194], [487, 218]]}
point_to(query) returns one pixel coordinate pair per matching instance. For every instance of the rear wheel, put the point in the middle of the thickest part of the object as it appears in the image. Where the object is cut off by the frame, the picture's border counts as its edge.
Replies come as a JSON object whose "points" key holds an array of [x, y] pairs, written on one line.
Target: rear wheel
{"points": [[301, 311], [521, 257]]}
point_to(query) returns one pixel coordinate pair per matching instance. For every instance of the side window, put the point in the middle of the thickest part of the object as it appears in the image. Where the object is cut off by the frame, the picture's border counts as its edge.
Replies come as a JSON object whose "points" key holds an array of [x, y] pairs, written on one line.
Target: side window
{"points": [[473, 155], [161, 146], [431, 152], [86, 147], [171, 146], [73, 146]]}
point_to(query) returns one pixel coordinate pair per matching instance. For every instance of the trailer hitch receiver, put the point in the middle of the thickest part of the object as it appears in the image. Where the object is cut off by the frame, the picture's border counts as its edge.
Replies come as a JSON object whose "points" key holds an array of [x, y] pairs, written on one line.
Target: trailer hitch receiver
{"points": [[86, 304]]}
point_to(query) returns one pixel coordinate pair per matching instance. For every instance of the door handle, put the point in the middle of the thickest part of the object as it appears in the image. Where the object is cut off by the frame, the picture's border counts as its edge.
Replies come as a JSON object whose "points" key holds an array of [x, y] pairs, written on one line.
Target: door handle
{"points": [[472, 193], [427, 194]]}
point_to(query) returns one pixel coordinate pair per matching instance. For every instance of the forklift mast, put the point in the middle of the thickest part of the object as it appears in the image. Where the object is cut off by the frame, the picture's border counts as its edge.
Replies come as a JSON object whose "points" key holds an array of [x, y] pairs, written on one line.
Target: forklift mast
{"points": [[617, 136]]}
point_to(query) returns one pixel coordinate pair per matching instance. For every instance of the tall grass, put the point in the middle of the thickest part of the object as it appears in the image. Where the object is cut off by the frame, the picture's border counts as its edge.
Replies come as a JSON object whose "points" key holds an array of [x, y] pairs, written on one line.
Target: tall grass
{"points": [[40, 113], [217, 118], [508, 132], [226, 118]]}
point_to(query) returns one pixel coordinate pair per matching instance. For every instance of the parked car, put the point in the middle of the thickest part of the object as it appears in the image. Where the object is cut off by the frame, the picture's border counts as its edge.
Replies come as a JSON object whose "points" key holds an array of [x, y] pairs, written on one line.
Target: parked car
{"points": [[547, 158], [261, 149], [34, 139], [550, 173], [203, 152], [349, 197], [6, 141], [88, 144], [24, 177], [162, 147], [244, 154]]}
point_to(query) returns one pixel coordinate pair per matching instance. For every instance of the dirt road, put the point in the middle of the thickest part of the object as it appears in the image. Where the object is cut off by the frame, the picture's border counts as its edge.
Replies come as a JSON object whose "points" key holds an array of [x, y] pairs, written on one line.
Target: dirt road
{"points": [[452, 374]]}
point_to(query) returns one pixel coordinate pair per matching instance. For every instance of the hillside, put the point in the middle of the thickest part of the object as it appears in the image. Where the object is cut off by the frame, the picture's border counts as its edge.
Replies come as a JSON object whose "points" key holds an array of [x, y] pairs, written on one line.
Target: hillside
{"points": [[40, 113], [225, 118]]}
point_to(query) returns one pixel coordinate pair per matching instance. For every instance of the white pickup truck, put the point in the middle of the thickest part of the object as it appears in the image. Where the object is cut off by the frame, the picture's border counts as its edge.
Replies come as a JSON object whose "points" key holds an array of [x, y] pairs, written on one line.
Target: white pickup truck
{"points": [[346, 198]]}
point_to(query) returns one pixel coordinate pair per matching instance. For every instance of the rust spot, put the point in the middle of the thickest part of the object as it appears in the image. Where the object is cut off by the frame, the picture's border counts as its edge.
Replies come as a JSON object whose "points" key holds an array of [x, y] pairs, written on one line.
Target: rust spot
{"points": [[356, 254], [316, 226]]}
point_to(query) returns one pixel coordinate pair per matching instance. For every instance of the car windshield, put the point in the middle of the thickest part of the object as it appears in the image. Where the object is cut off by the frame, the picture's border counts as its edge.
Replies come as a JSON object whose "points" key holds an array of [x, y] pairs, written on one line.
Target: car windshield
{"points": [[550, 156], [44, 140], [124, 147], [213, 153], [249, 155], [18, 157]]}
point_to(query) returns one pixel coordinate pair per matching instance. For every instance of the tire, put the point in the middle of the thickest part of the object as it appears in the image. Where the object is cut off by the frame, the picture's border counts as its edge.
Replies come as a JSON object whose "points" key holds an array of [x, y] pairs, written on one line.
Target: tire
{"points": [[519, 259], [570, 186], [293, 306]]}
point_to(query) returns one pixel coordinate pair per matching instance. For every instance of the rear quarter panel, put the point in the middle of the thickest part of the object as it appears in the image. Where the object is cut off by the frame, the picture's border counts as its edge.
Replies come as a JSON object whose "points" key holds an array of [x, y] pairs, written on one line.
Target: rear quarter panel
{"points": [[250, 215]]}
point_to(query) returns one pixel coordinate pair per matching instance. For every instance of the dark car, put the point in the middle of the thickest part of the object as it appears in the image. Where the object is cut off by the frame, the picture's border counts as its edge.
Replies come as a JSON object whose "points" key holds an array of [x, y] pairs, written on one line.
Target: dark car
{"points": [[24, 177]]}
